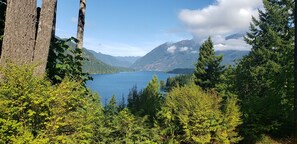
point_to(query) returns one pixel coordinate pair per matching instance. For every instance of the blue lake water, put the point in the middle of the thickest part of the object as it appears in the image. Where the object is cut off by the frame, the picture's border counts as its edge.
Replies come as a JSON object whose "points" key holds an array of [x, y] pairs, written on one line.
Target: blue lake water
{"points": [[119, 84]]}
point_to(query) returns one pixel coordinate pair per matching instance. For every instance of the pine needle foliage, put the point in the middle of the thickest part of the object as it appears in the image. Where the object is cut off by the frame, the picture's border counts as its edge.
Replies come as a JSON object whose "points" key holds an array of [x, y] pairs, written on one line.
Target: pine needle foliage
{"points": [[208, 67]]}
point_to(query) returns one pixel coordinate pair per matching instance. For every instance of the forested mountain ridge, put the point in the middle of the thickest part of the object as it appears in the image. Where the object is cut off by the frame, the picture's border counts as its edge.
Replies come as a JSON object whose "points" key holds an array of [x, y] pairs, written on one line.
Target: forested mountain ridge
{"points": [[115, 61], [94, 65]]}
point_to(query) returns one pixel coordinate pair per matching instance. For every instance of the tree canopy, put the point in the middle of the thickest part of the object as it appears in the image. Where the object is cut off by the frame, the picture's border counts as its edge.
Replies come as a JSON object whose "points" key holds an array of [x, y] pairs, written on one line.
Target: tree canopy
{"points": [[208, 67]]}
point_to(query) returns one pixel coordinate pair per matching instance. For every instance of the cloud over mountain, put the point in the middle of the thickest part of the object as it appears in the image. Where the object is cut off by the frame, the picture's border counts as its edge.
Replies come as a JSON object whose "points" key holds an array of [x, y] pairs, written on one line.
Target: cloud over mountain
{"points": [[224, 17]]}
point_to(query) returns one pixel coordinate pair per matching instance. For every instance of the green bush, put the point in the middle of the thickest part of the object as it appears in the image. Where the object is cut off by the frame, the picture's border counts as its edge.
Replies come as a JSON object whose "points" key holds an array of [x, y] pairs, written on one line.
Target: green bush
{"points": [[190, 115], [34, 111]]}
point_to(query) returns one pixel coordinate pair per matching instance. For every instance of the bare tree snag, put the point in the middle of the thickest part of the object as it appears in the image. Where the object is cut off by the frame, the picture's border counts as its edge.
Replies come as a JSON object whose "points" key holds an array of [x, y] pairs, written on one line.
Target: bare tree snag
{"points": [[44, 35], [81, 23], [19, 32]]}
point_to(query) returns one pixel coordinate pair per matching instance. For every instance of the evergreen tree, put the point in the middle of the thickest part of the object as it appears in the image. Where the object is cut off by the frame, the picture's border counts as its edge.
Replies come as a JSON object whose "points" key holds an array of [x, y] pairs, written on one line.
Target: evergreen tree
{"points": [[178, 81], [264, 78], [208, 68], [122, 104], [111, 109], [134, 100], [150, 99], [146, 102]]}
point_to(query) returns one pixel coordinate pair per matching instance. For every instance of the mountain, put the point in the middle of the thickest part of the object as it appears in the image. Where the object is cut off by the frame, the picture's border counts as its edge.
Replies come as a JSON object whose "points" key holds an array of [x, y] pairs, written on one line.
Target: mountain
{"points": [[130, 59], [235, 36], [231, 55], [169, 56], [115, 61], [95, 66], [180, 55]]}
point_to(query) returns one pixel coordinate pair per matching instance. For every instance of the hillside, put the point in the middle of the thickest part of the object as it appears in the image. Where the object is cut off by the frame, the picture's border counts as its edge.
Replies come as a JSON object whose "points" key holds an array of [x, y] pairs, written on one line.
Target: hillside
{"points": [[115, 61], [183, 55], [94, 65]]}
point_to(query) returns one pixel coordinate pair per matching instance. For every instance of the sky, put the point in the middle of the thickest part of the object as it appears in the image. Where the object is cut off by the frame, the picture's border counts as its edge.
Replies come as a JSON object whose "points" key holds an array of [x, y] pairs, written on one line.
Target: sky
{"points": [[135, 27]]}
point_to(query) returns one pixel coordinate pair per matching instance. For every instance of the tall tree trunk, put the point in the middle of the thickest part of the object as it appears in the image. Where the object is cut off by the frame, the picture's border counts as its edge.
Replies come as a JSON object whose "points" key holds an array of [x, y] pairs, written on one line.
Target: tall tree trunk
{"points": [[19, 32], [44, 35], [295, 72], [81, 23], [2, 21]]}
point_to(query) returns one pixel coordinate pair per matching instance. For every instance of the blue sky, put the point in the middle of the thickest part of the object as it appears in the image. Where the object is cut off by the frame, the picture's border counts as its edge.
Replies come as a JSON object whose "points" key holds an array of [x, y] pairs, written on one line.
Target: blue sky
{"points": [[134, 27]]}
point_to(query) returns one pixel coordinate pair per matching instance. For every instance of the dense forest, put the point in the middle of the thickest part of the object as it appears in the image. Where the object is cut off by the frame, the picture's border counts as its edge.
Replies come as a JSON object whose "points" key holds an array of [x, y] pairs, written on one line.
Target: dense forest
{"points": [[43, 98]]}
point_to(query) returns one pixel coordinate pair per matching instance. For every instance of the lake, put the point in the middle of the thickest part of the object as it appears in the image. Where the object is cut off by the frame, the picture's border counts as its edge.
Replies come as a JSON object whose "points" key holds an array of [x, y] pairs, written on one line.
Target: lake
{"points": [[119, 84]]}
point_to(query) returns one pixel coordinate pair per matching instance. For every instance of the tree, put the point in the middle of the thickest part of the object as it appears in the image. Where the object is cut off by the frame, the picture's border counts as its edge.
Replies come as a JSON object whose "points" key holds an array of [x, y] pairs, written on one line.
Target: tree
{"points": [[295, 70], [264, 78], [81, 23], [208, 68], [189, 115], [44, 35], [19, 33], [2, 21], [65, 60], [147, 102], [178, 81], [111, 109], [34, 111], [127, 128], [28, 33], [134, 100], [150, 99]]}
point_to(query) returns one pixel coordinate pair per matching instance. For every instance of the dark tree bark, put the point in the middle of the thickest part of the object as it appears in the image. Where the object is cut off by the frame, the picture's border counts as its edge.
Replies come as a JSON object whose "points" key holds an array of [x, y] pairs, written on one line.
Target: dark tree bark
{"points": [[2, 21], [44, 35], [81, 23], [295, 73], [19, 32]]}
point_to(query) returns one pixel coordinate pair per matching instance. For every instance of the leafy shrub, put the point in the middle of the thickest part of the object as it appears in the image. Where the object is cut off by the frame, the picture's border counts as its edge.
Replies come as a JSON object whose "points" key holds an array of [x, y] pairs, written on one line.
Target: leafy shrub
{"points": [[190, 115], [32, 110], [65, 61]]}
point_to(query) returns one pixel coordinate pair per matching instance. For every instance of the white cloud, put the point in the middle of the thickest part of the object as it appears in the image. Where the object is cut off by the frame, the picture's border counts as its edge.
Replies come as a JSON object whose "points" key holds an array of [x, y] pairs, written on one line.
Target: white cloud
{"points": [[220, 19], [232, 44], [183, 49], [171, 49]]}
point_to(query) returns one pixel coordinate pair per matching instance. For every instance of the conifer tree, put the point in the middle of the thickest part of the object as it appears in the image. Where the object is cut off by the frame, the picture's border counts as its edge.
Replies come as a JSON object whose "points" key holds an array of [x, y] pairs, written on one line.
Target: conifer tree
{"points": [[264, 78], [146, 102], [111, 109], [134, 100], [208, 68], [151, 98]]}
